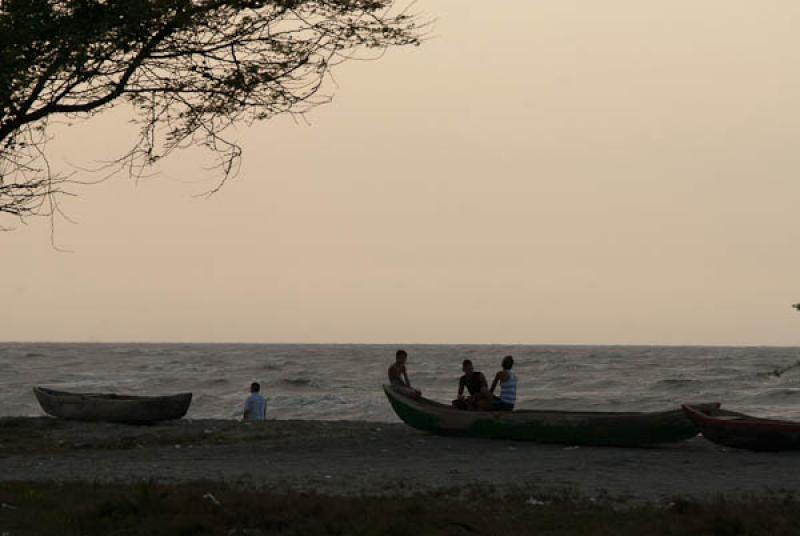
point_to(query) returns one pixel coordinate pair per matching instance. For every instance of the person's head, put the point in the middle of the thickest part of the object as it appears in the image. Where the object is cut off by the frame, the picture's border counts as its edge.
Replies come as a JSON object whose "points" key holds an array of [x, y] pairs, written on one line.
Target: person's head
{"points": [[508, 362], [466, 366], [401, 356], [255, 387]]}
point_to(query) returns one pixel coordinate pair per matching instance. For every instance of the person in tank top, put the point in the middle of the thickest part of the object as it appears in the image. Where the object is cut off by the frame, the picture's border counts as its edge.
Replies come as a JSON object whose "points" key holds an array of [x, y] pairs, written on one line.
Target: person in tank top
{"points": [[475, 384], [508, 387]]}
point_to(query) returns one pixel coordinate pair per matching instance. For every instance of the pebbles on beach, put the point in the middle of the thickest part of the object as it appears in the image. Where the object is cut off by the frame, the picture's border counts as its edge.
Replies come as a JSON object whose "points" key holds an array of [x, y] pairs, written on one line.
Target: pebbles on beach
{"points": [[302, 455]]}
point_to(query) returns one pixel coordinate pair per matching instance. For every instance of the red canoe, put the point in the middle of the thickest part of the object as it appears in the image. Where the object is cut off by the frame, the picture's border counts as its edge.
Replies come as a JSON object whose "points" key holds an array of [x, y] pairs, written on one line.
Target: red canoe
{"points": [[741, 431]]}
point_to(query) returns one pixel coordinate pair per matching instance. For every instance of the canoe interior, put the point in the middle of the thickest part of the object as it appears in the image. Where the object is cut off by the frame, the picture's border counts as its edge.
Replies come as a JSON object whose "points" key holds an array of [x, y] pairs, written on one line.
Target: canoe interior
{"points": [[602, 428], [110, 396], [112, 407], [738, 430]]}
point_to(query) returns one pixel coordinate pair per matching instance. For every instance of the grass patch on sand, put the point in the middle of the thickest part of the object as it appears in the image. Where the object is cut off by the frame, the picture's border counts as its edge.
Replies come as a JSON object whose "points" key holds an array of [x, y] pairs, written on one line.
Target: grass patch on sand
{"points": [[212, 508]]}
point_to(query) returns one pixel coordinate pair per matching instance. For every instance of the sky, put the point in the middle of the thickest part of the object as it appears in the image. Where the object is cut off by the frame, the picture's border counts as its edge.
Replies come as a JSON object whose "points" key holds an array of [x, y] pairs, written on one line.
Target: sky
{"points": [[549, 172]]}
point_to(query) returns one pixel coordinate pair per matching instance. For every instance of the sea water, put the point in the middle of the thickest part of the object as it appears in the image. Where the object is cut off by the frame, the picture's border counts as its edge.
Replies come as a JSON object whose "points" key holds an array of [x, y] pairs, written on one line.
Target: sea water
{"points": [[344, 381]]}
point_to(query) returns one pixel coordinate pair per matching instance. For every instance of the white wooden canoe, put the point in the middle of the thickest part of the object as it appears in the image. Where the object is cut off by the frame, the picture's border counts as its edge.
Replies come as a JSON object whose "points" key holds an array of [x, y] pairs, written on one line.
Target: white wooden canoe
{"points": [[112, 407]]}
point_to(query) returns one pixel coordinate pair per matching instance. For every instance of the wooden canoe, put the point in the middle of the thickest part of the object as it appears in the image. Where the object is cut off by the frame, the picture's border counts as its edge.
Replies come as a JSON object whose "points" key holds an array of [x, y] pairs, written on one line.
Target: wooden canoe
{"points": [[112, 407], [600, 428], [737, 430]]}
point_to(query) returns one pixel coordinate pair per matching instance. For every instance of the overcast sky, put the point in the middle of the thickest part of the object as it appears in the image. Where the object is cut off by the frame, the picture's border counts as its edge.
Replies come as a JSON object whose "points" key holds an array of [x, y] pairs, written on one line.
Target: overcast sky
{"points": [[617, 172]]}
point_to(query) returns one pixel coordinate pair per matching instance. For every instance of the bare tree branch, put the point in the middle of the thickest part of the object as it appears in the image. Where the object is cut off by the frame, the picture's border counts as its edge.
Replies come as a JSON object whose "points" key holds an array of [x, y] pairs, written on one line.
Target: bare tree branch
{"points": [[191, 69]]}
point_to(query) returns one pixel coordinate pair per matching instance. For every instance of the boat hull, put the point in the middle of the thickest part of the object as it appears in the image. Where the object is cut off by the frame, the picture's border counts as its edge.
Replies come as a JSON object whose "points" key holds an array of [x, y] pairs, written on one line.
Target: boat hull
{"points": [[112, 407], [564, 427], [737, 430]]}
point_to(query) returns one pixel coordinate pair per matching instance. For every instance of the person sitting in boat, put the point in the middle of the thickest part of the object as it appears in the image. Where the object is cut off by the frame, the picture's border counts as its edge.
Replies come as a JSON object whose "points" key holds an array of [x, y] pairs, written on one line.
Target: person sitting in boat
{"points": [[508, 387], [476, 385], [398, 376], [255, 407]]}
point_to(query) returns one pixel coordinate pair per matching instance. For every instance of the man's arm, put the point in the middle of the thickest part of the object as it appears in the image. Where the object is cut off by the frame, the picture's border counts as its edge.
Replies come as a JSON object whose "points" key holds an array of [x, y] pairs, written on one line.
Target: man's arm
{"points": [[484, 384], [494, 382], [405, 377], [461, 387]]}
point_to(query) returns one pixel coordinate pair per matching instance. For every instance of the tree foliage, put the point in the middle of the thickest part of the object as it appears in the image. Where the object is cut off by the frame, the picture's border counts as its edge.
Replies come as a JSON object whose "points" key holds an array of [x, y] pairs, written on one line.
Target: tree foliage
{"points": [[190, 68]]}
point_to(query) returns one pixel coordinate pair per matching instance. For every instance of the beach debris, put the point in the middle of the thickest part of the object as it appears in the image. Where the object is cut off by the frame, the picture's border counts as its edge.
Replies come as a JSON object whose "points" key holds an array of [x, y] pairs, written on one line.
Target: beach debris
{"points": [[328, 477], [535, 502], [213, 500], [572, 447], [7, 506], [778, 372], [464, 526], [378, 429], [512, 448]]}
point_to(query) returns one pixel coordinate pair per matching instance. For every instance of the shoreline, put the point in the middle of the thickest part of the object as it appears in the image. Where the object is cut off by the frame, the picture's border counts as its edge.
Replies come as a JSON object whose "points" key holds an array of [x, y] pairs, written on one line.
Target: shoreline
{"points": [[358, 458]]}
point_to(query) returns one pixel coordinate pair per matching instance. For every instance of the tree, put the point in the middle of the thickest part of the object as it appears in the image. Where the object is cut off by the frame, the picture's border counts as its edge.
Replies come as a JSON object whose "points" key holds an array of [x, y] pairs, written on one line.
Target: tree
{"points": [[190, 69]]}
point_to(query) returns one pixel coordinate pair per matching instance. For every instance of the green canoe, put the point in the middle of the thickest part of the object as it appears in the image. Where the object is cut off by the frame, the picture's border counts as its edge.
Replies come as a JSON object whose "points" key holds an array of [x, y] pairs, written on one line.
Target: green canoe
{"points": [[619, 429]]}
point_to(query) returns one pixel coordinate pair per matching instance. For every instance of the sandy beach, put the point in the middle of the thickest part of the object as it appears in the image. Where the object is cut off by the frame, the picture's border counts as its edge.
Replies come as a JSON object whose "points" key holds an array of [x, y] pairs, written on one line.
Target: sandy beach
{"points": [[362, 458]]}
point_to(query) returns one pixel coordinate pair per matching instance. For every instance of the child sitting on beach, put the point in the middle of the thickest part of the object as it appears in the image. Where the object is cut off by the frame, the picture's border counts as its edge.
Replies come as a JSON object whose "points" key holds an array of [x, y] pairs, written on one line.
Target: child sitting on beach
{"points": [[398, 376], [255, 407]]}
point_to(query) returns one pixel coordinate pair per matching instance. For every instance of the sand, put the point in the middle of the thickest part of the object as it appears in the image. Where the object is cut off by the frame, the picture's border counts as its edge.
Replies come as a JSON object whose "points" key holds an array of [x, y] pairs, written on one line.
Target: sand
{"points": [[347, 458]]}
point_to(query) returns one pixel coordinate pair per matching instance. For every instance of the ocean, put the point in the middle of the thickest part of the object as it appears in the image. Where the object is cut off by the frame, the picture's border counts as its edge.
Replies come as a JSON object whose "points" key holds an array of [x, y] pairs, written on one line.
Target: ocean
{"points": [[334, 382]]}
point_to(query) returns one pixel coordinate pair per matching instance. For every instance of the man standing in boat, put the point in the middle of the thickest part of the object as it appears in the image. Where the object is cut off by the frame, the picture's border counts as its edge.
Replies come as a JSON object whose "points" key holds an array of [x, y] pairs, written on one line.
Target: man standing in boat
{"points": [[255, 407], [398, 376], [476, 385], [508, 387]]}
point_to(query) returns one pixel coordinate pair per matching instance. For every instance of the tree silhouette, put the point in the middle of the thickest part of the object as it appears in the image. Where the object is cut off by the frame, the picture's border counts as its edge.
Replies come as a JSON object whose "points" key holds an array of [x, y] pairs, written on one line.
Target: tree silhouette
{"points": [[190, 69]]}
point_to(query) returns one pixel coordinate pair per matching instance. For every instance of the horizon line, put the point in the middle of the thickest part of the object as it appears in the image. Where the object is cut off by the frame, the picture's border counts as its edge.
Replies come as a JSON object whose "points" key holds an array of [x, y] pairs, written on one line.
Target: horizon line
{"points": [[262, 343]]}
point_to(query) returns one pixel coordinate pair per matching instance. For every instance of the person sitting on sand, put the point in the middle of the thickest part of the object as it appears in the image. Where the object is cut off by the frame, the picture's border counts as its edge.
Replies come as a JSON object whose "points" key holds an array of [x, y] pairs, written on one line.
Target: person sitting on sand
{"points": [[476, 385], [255, 407], [398, 376], [508, 387]]}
